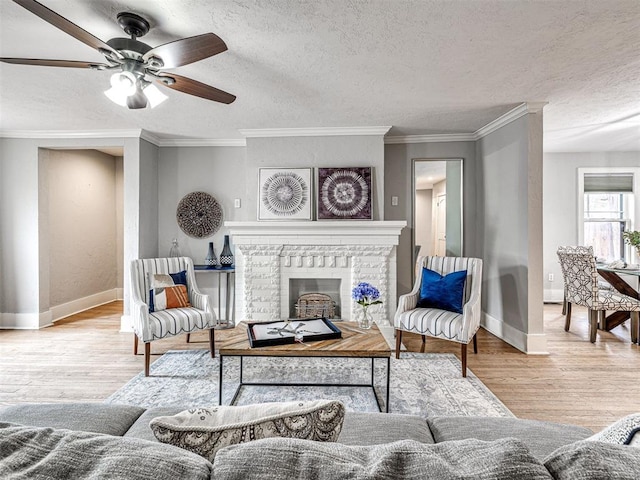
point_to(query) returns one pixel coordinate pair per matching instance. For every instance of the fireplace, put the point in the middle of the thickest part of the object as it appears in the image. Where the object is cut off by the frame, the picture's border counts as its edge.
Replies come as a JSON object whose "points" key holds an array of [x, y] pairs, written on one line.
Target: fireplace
{"points": [[306, 297], [271, 257]]}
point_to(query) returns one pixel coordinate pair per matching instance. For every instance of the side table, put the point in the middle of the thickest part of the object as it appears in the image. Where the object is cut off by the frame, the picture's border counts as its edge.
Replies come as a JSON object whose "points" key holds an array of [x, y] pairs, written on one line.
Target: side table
{"points": [[229, 274]]}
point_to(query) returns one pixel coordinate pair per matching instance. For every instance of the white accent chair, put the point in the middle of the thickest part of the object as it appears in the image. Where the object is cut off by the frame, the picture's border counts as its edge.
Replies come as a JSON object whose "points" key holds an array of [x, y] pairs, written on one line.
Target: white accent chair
{"points": [[150, 326], [583, 288], [433, 322]]}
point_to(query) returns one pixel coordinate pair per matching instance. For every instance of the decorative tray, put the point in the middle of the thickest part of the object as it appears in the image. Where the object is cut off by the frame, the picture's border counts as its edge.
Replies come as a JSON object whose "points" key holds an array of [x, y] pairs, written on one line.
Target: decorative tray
{"points": [[283, 332]]}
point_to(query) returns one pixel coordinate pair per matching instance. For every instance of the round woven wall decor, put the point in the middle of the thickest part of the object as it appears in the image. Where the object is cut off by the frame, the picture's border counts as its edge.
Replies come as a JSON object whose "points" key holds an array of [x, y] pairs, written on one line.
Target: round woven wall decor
{"points": [[199, 215]]}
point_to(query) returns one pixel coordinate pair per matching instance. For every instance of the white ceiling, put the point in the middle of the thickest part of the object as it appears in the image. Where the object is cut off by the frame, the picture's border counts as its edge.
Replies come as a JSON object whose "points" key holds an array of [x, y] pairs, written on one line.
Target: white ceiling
{"points": [[423, 67], [429, 172]]}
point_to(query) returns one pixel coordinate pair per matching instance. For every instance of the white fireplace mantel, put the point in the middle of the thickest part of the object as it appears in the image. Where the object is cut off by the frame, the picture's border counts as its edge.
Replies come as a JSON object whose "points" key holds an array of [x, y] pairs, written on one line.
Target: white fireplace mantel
{"points": [[325, 228], [269, 254]]}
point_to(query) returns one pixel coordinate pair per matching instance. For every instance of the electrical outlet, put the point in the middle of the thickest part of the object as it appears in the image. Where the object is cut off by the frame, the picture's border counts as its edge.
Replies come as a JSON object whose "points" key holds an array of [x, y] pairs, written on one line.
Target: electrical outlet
{"points": [[394, 201], [236, 203], [551, 277]]}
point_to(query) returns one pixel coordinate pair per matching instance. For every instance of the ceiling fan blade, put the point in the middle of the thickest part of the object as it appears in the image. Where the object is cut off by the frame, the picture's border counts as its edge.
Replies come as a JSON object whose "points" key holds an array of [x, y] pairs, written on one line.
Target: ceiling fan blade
{"points": [[53, 63], [193, 87], [65, 25], [187, 50]]}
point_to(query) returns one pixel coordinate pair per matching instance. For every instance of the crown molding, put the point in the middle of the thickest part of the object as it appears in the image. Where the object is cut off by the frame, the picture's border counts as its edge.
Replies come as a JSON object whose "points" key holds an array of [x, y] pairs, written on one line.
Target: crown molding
{"points": [[313, 132], [71, 134], [536, 107], [501, 121], [192, 142], [512, 115], [452, 137], [150, 137], [202, 142], [134, 133]]}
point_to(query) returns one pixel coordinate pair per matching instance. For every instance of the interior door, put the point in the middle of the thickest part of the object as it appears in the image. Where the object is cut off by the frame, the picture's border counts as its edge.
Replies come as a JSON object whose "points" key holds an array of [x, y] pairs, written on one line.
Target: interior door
{"points": [[440, 246]]}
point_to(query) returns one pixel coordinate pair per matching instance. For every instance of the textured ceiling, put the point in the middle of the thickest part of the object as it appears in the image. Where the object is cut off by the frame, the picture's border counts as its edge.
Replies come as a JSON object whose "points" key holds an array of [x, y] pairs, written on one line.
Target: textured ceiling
{"points": [[423, 67]]}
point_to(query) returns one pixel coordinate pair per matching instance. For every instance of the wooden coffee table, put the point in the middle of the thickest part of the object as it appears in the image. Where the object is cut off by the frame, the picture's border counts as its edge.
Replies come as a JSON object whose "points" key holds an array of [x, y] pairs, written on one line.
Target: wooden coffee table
{"points": [[355, 343]]}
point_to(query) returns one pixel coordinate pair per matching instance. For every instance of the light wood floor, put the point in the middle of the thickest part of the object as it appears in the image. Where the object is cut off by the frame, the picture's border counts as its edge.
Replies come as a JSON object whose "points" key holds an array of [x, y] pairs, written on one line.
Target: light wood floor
{"points": [[86, 358]]}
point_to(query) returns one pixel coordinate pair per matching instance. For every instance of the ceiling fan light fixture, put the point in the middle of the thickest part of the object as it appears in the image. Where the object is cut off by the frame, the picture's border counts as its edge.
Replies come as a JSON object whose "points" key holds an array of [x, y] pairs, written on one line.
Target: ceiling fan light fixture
{"points": [[134, 59], [137, 100], [125, 82], [116, 96], [154, 95]]}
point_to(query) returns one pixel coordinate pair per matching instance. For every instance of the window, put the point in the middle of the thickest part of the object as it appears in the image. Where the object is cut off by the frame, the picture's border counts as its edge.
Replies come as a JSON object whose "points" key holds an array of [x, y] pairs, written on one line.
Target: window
{"points": [[607, 210], [604, 222]]}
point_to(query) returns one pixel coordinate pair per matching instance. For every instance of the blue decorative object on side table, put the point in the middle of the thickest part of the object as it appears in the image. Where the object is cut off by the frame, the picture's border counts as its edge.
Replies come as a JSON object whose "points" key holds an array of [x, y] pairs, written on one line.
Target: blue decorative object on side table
{"points": [[226, 257], [211, 261], [365, 295]]}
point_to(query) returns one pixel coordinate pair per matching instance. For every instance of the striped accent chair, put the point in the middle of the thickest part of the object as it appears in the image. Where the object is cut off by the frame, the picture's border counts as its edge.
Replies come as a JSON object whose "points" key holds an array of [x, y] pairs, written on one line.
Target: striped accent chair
{"points": [[432, 322], [150, 326]]}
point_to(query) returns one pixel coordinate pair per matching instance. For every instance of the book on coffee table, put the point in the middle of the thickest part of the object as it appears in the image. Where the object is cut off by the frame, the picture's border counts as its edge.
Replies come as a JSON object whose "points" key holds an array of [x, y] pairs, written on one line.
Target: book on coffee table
{"points": [[282, 332]]}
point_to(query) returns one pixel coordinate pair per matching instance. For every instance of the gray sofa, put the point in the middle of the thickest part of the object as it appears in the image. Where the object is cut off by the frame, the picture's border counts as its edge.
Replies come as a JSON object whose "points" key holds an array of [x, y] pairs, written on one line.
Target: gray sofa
{"points": [[80, 440]]}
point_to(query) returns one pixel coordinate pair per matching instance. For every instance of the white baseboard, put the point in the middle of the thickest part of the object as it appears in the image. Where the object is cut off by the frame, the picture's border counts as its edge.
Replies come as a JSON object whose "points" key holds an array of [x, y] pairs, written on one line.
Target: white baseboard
{"points": [[553, 295], [537, 344], [533, 344], [25, 321], [81, 304], [119, 293]]}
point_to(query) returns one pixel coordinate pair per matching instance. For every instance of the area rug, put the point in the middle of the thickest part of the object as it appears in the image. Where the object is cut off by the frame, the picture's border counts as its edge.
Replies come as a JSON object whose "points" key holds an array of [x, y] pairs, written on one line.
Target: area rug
{"points": [[426, 384]]}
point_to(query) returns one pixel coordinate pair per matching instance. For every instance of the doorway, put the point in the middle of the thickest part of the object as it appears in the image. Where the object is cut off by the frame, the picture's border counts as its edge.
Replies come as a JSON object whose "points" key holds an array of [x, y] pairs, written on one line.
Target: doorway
{"points": [[82, 226]]}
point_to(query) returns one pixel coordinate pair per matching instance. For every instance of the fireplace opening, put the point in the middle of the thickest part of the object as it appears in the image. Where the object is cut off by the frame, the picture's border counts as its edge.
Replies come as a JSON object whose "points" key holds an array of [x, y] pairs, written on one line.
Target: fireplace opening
{"points": [[326, 304]]}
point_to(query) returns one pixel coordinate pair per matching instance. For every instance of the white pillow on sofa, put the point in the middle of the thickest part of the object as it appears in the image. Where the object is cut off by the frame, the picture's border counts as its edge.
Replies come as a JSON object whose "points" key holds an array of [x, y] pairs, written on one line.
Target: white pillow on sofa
{"points": [[206, 430], [623, 432]]}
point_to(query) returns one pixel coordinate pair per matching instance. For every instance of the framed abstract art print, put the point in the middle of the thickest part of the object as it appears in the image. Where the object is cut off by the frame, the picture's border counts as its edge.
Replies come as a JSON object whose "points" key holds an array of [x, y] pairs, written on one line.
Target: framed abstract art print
{"points": [[285, 194], [344, 193]]}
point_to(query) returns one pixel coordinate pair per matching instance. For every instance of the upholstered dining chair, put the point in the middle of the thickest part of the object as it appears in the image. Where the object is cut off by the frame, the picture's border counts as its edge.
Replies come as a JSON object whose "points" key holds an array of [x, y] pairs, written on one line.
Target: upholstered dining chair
{"points": [[566, 304], [458, 320], [161, 307], [583, 288]]}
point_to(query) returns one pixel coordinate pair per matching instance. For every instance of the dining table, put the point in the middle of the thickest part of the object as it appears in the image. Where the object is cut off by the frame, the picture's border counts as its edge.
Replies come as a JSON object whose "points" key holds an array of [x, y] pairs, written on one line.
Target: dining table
{"points": [[613, 276]]}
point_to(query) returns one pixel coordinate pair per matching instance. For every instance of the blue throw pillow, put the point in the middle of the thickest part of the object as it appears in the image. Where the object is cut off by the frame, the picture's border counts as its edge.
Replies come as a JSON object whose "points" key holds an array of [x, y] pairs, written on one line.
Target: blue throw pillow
{"points": [[444, 293]]}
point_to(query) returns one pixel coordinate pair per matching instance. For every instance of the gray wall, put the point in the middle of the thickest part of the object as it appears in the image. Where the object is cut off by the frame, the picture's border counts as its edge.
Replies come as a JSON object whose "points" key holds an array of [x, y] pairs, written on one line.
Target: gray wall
{"points": [[81, 200], [230, 173], [329, 151], [120, 272], [502, 189], [454, 208], [561, 205], [148, 194], [508, 229], [19, 226], [218, 171], [398, 182]]}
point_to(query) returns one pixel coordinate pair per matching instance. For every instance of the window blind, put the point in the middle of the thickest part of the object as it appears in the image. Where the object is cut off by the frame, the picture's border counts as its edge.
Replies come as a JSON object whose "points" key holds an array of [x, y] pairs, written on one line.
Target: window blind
{"points": [[608, 183]]}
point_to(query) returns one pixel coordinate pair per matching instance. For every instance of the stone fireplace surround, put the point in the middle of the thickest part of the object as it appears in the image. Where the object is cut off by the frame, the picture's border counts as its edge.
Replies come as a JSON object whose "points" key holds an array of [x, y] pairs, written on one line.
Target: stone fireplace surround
{"points": [[269, 254]]}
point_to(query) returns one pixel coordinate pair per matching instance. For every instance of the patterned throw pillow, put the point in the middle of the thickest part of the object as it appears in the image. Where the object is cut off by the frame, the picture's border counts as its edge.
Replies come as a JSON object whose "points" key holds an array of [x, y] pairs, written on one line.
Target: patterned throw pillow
{"points": [[623, 432], [206, 430], [168, 291]]}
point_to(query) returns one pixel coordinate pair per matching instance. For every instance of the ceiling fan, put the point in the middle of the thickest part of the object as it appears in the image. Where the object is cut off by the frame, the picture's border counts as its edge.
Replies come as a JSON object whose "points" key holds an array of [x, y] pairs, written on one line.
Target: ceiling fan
{"points": [[135, 63]]}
